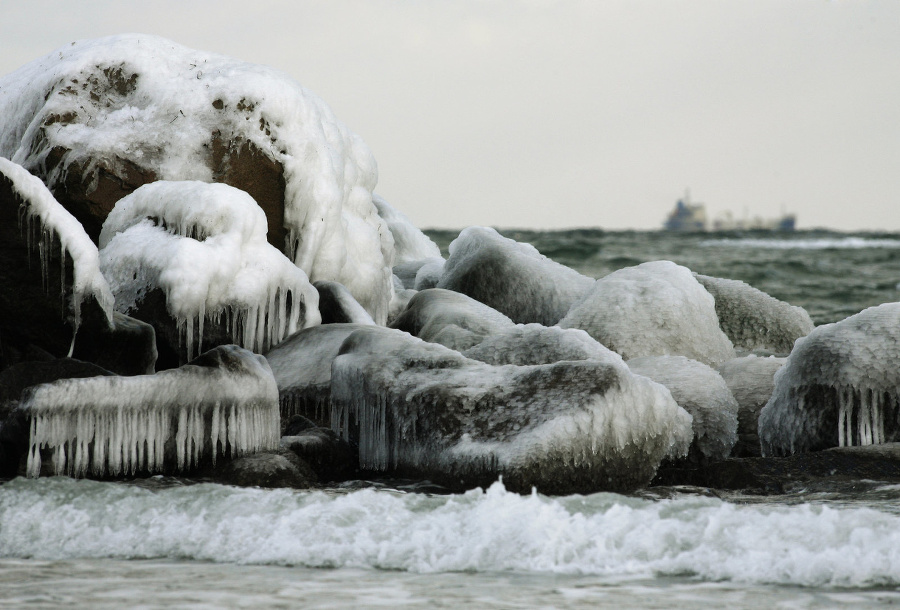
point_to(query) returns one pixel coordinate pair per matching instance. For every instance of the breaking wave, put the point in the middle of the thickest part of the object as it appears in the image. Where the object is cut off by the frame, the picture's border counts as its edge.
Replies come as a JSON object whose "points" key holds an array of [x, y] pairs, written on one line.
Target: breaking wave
{"points": [[479, 531]]}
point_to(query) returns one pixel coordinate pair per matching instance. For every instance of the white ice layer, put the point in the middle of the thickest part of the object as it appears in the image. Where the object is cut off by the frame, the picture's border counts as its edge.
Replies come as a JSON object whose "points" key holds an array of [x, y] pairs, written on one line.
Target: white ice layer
{"points": [[527, 344], [754, 320], [570, 425], [840, 386], [512, 277], [204, 245], [161, 104], [120, 425], [410, 244], [653, 309], [44, 221], [751, 380], [700, 391]]}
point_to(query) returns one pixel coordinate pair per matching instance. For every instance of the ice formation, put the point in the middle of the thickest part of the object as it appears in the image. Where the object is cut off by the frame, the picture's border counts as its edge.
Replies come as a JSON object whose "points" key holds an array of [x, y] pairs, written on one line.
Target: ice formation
{"points": [[840, 386], [410, 244], [702, 392], [751, 380], [140, 102], [225, 402], [204, 245], [421, 409], [653, 309], [46, 223], [301, 365], [512, 277], [449, 318], [752, 319], [337, 305]]}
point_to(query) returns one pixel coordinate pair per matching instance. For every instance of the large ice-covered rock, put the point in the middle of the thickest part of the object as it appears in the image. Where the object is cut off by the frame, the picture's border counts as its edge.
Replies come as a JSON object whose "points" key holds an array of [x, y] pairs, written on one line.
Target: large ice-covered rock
{"points": [[512, 277], [653, 309], [301, 365], [752, 319], [700, 391], [420, 409], [96, 119], [204, 247], [840, 386], [450, 318], [410, 244], [223, 403], [527, 344], [751, 380]]}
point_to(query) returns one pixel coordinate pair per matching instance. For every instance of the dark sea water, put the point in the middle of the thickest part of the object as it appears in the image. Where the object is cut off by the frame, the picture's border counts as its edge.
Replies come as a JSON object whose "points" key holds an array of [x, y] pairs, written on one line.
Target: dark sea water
{"points": [[165, 542]]}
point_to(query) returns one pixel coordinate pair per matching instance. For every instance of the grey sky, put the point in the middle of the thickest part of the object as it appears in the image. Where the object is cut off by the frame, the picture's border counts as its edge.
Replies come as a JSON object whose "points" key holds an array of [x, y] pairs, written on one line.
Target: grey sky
{"points": [[559, 114]]}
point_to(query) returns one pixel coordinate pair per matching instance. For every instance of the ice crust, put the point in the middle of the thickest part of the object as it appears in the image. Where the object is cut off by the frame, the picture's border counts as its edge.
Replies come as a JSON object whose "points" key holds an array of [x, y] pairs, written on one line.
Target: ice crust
{"points": [[751, 380], [163, 104], [450, 318], [419, 408], [653, 309], [528, 344], [839, 387], [45, 222], [204, 245], [301, 365], [512, 277], [225, 402], [702, 392], [752, 319], [410, 244]]}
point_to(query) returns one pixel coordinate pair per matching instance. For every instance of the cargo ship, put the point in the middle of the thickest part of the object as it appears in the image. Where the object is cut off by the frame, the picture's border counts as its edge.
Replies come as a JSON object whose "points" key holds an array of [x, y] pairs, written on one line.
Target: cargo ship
{"points": [[691, 217]]}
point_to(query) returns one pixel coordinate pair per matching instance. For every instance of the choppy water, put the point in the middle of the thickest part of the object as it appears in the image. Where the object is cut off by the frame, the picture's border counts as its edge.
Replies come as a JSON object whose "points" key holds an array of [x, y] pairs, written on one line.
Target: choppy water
{"points": [[163, 543]]}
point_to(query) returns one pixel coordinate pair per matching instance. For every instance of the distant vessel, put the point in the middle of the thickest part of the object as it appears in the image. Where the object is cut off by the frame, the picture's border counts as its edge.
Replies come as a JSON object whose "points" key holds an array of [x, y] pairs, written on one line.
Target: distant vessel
{"points": [[688, 216]]}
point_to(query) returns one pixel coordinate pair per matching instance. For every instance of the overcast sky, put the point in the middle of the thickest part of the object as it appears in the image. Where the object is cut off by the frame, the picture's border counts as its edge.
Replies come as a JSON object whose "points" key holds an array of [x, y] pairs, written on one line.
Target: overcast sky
{"points": [[550, 114]]}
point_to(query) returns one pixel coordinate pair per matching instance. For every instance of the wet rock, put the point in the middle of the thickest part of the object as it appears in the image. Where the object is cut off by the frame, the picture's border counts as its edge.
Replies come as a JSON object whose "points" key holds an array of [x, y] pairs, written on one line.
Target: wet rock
{"points": [[269, 470], [128, 348], [331, 457], [337, 305]]}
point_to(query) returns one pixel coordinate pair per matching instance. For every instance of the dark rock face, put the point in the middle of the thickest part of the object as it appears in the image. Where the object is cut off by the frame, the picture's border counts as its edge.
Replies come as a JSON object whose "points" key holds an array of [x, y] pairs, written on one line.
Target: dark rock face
{"points": [[337, 305], [282, 469], [332, 458], [128, 348]]}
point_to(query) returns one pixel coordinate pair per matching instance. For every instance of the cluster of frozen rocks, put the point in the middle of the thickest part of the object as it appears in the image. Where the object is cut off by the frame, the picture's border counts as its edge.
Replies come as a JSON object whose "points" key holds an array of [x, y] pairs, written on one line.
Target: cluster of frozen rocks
{"points": [[199, 278]]}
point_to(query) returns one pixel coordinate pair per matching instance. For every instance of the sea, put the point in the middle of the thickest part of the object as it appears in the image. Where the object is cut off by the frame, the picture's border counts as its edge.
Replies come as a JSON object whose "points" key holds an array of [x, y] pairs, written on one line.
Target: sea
{"points": [[180, 543]]}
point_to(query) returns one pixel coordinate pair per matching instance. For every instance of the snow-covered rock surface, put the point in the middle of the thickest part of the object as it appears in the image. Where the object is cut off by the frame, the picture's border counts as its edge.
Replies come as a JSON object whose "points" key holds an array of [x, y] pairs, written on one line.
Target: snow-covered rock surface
{"points": [[224, 402], [421, 409], [653, 309], [204, 245], [700, 391], [97, 118], [450, 318], [526, 344], [751, 380], [46, 226], [512, 277], [410, 244], [752, 319], [840, 386], [301, 365]]}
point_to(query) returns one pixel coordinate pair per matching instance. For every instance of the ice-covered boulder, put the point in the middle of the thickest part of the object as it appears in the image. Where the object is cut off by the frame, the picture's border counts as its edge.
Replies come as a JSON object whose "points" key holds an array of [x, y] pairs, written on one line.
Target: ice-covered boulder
{"points": [[752, 319], [204, 247], [98, 118], [653, 309], [337, 305], [840, 386], [410, 244], [449, 318], [420, 409], [511, 277], [301, 365], [700, 391], [223, 403], [751, 380], [50, 282], [527, 344]]}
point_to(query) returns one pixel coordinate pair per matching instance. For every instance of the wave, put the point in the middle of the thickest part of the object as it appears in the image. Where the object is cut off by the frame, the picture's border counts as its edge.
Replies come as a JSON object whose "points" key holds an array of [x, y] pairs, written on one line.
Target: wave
{"points": [[843, 243], [479, 531]]}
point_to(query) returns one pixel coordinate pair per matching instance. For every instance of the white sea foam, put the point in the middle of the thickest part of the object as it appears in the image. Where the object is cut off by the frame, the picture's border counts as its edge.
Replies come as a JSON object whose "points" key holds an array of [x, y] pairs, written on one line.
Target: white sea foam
{"points": [[601, 534], [842, 243]]}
